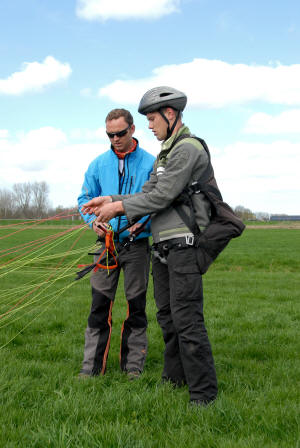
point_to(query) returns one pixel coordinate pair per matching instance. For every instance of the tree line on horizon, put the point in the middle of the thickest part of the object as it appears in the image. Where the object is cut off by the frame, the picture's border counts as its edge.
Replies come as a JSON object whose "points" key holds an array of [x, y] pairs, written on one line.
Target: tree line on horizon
{"points": [[28, 200]]}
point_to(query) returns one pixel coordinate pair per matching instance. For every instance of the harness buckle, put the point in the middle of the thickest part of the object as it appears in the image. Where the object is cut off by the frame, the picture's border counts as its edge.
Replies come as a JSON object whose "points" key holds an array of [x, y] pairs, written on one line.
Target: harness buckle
{"points": [[196, 188], [189, 239], [162, 259]]}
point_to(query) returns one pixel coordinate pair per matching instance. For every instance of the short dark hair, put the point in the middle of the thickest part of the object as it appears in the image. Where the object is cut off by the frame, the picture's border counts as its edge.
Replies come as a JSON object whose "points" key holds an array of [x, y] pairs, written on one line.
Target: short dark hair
{"points": [[117, 113]]}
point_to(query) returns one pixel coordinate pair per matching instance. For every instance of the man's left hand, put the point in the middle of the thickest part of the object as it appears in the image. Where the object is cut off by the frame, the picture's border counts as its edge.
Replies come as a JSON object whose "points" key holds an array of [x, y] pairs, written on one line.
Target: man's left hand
{"points": [[109, 211], [94, 205]]}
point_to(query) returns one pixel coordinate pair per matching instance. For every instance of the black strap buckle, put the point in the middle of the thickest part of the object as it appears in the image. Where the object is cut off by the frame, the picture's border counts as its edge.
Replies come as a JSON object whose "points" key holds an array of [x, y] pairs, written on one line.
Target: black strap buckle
{"points": [[196, 187]]}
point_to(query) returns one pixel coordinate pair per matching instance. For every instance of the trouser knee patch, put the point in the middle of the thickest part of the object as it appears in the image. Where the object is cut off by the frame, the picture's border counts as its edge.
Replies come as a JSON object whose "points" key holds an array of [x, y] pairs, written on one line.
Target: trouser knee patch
{"points": [[137, 311], [99, 310]]}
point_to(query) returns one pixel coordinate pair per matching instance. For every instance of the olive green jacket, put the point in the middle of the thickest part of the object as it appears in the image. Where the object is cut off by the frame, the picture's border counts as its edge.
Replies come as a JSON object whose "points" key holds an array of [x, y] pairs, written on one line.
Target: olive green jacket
{"points": [[173, 170]]}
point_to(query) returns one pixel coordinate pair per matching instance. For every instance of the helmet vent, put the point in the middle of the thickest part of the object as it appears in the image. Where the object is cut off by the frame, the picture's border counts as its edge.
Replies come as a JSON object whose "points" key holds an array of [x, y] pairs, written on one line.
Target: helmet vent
{"points": [[165, 94]]}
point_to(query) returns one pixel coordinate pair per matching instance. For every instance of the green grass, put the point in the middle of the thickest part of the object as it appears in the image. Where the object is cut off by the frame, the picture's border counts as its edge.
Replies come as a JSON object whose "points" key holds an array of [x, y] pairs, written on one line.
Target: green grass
{"points": [[252, 315], [271, 223], [44, 222]]}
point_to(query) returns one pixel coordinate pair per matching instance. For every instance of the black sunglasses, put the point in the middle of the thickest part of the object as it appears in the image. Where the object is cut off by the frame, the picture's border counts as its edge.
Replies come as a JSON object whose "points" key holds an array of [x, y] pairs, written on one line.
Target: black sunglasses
{"points": [[118, 134]]}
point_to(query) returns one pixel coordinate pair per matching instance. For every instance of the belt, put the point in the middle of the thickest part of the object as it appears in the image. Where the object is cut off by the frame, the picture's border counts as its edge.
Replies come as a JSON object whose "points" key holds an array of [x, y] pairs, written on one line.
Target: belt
{"points": [[184, 241], [139, 240], [124, 244]]}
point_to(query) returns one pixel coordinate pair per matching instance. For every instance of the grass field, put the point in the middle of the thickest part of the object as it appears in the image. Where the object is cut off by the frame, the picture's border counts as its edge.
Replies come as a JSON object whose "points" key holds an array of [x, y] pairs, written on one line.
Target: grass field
{"points": [[252, 314]]}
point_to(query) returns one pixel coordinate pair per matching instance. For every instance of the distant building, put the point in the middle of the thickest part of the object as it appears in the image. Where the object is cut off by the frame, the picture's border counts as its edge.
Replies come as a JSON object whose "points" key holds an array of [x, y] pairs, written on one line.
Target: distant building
{"points": [[285, 218]]}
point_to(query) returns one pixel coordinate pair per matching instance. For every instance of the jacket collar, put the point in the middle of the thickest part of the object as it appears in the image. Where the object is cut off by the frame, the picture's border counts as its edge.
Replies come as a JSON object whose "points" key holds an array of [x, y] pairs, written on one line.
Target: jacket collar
{"points": [[132, 153], [168, 143]]}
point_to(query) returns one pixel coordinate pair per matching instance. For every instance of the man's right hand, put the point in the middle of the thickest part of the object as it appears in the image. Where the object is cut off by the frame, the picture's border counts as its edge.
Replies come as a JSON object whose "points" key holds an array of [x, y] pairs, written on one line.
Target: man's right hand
{"points": [[97, 229], [94, 205]]}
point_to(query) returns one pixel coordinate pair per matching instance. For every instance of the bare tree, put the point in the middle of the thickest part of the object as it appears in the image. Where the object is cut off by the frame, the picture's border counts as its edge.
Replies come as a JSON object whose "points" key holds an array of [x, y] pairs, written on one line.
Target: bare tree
{"points": [[30, 199], [244, 213], [262, 216], [40, 191], [7, 207], [22, 197]]}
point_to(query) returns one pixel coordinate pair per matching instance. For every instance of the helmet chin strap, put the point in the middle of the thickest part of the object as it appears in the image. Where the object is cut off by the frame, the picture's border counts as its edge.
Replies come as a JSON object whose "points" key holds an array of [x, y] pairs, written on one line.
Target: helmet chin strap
{"points": [[169, 131]]}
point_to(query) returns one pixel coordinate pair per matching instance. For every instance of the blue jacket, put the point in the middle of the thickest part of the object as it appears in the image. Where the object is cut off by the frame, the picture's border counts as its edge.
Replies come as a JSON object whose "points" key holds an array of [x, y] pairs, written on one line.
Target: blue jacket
{"points": [[102, 179]]}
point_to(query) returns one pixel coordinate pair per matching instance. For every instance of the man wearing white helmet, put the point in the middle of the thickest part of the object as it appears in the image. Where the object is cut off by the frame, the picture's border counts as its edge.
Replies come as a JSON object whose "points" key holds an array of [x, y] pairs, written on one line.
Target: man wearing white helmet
{"points": [[177, 280]]}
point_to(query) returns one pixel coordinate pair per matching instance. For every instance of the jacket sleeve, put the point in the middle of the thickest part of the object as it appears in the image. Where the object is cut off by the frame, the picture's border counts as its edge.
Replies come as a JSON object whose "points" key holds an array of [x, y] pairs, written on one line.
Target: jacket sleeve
{"points": [[160, 191], [91, 188]]}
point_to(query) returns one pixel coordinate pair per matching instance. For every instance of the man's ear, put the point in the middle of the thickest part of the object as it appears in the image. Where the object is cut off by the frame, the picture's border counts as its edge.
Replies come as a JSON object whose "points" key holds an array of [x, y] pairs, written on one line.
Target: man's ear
{"points": [[170, 113]]}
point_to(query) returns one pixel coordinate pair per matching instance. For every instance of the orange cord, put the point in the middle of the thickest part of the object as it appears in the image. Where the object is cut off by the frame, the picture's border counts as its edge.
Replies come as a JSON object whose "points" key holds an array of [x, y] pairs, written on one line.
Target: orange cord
{"points": [[109, 250]]}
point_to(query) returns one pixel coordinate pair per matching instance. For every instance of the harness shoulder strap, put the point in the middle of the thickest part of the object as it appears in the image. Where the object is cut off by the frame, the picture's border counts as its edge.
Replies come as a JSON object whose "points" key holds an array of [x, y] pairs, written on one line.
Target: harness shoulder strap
{"points": [[198, 186], [209, 170]]}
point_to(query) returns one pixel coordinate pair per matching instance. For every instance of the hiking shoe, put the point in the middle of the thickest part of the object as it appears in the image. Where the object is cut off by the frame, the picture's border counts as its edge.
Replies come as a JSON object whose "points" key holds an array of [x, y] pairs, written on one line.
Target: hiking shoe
{"points": [[133, 375]]}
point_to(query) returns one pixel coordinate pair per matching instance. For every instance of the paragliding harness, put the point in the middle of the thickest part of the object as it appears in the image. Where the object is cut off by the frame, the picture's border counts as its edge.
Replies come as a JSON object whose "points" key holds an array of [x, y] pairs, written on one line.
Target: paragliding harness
{"points": [[224, 224], [110, 251]]}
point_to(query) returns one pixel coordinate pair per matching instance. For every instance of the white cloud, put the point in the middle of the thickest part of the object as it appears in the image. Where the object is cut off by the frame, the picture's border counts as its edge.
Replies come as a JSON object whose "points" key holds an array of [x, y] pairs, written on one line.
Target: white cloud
{"points": [[35, 76], [262, 177], [215, 84], [46, 138], [89, 134], [47, 154], [123, 10], [286, 122], [4, 133]]}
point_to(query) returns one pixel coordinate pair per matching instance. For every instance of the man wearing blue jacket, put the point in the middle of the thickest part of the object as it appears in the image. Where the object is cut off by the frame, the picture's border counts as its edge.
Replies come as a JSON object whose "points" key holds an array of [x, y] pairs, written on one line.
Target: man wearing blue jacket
{"points": [[123, 169]]}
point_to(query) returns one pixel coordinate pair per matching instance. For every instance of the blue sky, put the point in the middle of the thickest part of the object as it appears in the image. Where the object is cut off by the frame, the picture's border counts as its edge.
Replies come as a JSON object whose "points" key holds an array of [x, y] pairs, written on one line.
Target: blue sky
{"points": [[65, 64]]}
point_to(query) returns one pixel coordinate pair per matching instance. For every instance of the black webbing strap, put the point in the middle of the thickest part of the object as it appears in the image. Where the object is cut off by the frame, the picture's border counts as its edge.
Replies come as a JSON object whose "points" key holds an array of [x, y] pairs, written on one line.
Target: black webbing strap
{"points": [[196, 187], [190, 221], [130, 238]]}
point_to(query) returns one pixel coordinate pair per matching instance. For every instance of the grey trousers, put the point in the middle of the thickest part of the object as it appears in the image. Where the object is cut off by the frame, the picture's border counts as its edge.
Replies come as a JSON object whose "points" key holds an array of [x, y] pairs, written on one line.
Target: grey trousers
{"points": [[179, 298], [135, 263]]}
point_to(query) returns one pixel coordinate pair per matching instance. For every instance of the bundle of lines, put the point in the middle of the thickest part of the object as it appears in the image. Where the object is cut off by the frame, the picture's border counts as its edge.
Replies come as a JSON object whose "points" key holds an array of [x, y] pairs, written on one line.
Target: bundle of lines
{"points": [[35, 273]]}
